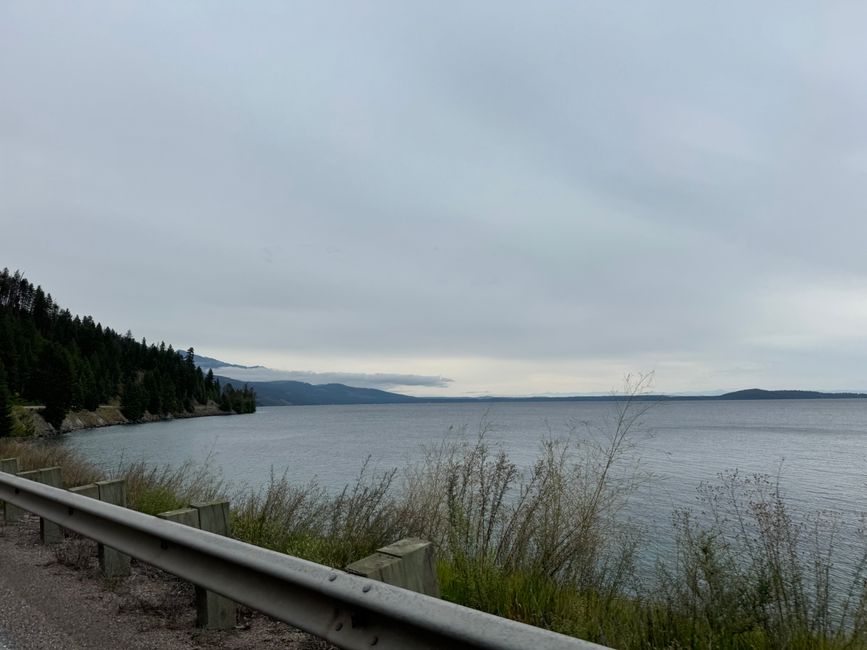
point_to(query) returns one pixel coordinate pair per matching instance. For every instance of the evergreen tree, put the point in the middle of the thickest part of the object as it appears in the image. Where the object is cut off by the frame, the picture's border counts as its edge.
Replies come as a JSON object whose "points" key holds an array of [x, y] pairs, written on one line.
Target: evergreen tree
{"points": [[62, 361], [152, 386], [90, 391], [226, 398], [239, 401], [133, 401], [40, 308], [6, 424], [54, 379], [201, 394]]}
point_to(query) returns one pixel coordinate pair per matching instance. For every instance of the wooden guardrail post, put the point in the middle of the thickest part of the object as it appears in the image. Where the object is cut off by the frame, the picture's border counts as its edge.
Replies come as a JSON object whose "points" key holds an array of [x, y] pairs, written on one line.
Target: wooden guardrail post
{"points": [[114, 564], [91, 490], [49, 532], [185, 516], [213, 611], [408, 563], [11, 513]]}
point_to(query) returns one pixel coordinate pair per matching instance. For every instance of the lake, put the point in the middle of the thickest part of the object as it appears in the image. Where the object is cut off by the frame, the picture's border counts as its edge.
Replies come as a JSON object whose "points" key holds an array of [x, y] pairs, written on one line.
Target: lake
{"points": [[817, 448]]}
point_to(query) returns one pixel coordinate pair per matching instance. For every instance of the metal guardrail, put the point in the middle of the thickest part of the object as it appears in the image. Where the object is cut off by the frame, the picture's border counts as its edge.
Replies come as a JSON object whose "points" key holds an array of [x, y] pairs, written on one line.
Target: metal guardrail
{"points": [[347, 610]]}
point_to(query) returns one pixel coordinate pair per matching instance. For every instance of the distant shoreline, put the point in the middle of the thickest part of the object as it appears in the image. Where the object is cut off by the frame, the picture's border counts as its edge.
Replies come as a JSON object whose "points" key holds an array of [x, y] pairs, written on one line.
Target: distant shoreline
{"points": [[297, 393], [741, 395]]}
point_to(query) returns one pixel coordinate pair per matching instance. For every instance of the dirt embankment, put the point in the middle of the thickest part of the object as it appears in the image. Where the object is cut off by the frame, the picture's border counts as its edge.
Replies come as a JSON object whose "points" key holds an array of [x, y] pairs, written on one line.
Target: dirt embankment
{"points": [[105, 416]]}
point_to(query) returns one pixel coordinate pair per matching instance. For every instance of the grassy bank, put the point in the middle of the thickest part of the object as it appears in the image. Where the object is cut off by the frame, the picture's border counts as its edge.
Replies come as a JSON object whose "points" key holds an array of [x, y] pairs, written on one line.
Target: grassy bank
{"points": [[548, 546]]}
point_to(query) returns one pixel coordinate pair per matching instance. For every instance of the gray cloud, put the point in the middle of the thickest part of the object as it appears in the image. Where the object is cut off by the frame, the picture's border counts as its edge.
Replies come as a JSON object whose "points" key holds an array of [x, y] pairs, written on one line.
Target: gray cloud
{"points": [[383, 381], [506, 195]]}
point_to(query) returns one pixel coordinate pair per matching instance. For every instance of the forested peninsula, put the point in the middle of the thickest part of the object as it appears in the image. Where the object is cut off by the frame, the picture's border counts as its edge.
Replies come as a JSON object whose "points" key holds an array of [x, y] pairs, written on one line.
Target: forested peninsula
{"points": [[55, 363]]}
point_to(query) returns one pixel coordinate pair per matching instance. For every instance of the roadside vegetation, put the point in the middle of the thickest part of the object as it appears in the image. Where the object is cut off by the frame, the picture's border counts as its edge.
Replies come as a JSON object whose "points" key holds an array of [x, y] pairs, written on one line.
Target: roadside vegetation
{"points": [[549, 545]]}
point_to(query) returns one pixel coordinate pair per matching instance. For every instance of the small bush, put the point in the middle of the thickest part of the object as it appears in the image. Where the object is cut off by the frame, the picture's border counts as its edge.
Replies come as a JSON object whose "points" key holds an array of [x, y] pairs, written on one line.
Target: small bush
{"points": [[170, 598], [76, 552]]}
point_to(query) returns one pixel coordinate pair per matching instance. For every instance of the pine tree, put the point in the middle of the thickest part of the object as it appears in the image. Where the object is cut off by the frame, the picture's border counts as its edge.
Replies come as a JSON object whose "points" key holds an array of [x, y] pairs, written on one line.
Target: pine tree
{"points": [[6, 423], [65, 361], [55, 383], [134, 401]]}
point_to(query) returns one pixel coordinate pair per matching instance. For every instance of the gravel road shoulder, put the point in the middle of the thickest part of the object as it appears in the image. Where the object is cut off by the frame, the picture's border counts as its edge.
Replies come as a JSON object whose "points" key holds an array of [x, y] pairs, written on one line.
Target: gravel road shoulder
{"points": [[55, 597]]}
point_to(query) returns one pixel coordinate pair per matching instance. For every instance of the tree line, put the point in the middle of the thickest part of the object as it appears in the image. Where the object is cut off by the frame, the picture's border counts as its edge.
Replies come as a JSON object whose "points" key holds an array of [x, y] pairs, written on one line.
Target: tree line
{"points": [[50, 357]]}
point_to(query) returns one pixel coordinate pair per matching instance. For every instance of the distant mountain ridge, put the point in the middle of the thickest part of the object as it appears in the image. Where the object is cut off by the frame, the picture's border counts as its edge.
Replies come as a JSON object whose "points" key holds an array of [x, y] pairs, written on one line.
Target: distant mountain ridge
{"points": [[287, 392], [208, 363], [299, 393], [758, 393]]}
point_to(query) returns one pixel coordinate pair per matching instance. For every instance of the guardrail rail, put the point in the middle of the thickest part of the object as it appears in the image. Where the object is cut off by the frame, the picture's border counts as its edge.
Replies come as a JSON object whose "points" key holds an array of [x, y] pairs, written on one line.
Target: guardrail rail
{"points": [[347, 610]]}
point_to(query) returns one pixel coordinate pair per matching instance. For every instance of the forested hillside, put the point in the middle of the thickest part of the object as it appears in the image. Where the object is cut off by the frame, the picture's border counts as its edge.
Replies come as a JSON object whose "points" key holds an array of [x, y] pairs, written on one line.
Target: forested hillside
{"points": [[64, 362], [298, 393]]}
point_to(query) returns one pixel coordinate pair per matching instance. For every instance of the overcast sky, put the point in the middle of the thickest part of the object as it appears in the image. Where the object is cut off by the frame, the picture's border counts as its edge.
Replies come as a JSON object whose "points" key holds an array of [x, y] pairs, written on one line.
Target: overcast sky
{"points": [[461, 198]]}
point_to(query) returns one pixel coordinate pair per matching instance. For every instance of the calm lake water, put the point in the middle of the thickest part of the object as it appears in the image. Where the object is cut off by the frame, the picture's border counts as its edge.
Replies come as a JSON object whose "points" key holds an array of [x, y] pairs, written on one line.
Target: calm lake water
{"points": [[817, 448]]}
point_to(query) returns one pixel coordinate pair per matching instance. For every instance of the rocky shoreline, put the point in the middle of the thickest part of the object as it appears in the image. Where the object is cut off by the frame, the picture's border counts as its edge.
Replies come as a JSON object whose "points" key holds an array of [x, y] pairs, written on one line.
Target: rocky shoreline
{"points": [[105, 416]]}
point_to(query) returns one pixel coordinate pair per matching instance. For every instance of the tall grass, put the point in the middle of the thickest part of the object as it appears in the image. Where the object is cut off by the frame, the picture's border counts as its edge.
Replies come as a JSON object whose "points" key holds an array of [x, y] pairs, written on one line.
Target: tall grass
{"points": [[750, 575], [310, 522], [154, 489], [75, 469], [546, 546]]}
